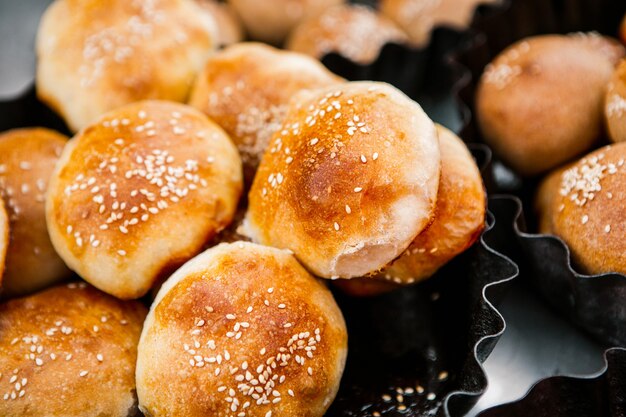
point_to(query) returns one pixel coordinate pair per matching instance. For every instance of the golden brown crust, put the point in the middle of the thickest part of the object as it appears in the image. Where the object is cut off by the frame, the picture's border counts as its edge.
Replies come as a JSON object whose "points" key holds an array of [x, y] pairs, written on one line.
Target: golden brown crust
{"points": [[418, 18], [615, 104], [271, 20], [140, 192], [228, 27], [354, 31], [69, 351], [622, 30], [539, 103], [545, 199], [246, 89], [349, 180], [459, 216], [27, 159], [241, 328], [94, 56], [589, 211], [4, 238]]}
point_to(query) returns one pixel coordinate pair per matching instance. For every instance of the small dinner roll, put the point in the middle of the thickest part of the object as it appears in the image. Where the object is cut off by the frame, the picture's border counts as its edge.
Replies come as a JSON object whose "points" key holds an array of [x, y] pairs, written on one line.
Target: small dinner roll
{"points": [[589, 211], [615, 104], [459, 220], [272, 20], [246, 89], [540, 102], [349, 180], [140, 192], [4, 237], [354, 31], [27, 159], [241, 328], [459, 215], [227, 24], [418, 18], [69, 351], [95, 56]]}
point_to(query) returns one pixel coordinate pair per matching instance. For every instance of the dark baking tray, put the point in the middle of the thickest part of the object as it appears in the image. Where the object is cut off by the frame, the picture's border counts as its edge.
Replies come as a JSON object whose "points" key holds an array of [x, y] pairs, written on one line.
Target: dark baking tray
{"points": [[592, 303]]}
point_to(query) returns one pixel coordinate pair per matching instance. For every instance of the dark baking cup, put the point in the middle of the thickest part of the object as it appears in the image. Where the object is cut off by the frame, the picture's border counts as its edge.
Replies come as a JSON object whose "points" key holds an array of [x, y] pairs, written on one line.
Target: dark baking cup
{"points": [[594, 396], [594, 303]]}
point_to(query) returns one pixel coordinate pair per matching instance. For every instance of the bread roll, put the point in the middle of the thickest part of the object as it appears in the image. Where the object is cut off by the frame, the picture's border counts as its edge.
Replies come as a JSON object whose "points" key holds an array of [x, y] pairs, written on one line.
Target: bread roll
{"points": [[354, 31], [246, 89], [459, 220], [227, 24], [241, 329], [459, 215], [95, 56], [418, 18], [589, 211], [4, 237], [540, 102], [69, 351], [615, 104], [349, 180], [27, 159], [271, 20], [139, 192]]}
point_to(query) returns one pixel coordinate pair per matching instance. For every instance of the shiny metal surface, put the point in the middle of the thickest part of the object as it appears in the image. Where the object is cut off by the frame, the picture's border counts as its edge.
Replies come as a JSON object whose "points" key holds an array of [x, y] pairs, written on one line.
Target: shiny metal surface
{"points": [[536, 344]]}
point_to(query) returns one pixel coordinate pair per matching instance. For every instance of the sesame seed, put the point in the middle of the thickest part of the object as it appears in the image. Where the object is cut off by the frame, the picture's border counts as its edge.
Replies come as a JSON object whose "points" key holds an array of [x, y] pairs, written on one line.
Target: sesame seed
{"points": [[121, 252], [83, 373], [348, 209], [431, 396], [585, 219], [358, 189], [443, 375], [386, 397], [99, 357], [270, 290], [607, 228], [375, 156], [363, 159], [336, 225]]}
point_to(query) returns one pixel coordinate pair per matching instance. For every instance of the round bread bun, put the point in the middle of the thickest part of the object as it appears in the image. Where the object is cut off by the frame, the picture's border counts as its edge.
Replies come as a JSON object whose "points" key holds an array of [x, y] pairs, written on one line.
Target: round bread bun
{"points": [[140, 192], [27, 159], [418, 18], [459, 215], [354, 31], [69, 351], [228, 27], [241, 328], [349, 180], [271, 20], [589, 211], [615, 104], [246, 89], [540, 102], [4, 237], [95, 56], [459, 220]]}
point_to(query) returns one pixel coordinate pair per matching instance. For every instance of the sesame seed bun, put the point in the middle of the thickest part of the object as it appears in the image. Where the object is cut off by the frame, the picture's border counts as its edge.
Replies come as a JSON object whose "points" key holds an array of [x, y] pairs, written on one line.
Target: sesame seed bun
{"points": [[271, 20], [140, 192], [4, 237], [228, 27], [615, 104], [27, 159], [588, 210], [241, 328], [349, 180], [540, 102], [459, 220], [95, 56], [354, 31], [246, 89], [459, 215], [69, 351], [418, 18]]}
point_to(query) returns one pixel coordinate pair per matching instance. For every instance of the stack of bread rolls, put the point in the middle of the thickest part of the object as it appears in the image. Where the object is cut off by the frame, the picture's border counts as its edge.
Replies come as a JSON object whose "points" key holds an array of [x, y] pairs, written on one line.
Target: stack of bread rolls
{"points": [[227, 215]]}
